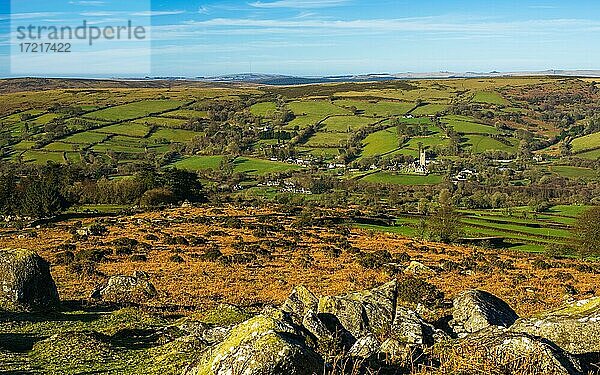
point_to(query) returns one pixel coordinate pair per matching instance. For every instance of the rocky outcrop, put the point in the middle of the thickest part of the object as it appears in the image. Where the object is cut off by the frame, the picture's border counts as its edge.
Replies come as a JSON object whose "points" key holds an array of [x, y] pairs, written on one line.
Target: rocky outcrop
{"points": [[574, 327], [129, 289], [300, 301], [27, 284], [265, 345], [499, 351], [363, 313], [417, 268], [475, 310]]}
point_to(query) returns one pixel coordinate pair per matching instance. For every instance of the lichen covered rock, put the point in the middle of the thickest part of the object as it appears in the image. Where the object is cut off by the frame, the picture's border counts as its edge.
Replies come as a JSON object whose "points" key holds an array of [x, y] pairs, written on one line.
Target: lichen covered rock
{"points": [[498, 351], [574, 327], [129, 289], [300, 301], [26, 282], [363, 313], [475, 310], [262, 345]]}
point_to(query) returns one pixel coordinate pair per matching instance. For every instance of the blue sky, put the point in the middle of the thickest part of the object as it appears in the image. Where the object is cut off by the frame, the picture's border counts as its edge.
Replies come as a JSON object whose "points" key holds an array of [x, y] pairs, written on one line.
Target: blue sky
{"points": [[328, 37]]}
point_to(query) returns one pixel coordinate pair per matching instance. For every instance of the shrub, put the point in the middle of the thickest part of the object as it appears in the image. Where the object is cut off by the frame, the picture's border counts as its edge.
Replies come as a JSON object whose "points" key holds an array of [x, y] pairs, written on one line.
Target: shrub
{"points": [[91, 255], [97, 229], [587, 233], [139, 258], [151, 237], [213, 254], [541, 264], [124, 246], [65, 258], [157, 197], [332, 252], [414, 291], [176, 258], [82, 268], [401, 258], [177, 240], [374, 259], [240, 258]]}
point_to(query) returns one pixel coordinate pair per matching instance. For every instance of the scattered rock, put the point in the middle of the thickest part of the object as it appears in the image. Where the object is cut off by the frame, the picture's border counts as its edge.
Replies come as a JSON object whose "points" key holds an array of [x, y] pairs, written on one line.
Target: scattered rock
{"points": [[574, 327], [475, 310], [27, 284], [408, 327], [130, 289], [395, 352], [260, 346], [316, 326], [365, 347], [499, 351], [417, 268], [300, 301], [363, 313]]}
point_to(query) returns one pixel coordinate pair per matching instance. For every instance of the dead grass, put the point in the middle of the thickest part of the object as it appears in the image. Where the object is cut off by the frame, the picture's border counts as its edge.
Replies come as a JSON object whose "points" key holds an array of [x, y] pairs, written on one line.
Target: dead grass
{"points": [[297, 256]]}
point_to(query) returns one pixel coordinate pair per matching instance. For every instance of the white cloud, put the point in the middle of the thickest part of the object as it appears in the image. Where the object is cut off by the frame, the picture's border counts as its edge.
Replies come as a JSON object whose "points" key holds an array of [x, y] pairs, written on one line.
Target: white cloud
{"points": [[88, 3], [158, 13], [31, 16], [301, 4]]}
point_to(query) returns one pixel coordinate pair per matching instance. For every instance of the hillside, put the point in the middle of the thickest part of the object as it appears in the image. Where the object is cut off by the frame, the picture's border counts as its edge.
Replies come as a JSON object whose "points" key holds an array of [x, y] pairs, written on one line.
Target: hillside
{"points": [[202, 260]]}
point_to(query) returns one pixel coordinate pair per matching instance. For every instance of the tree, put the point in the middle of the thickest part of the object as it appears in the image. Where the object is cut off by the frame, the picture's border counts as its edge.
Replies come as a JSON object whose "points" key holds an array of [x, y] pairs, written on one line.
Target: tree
{"points": [[41, 198], [587, 233], [157, 197], [183, 184], [445, 225], [7, 192]]}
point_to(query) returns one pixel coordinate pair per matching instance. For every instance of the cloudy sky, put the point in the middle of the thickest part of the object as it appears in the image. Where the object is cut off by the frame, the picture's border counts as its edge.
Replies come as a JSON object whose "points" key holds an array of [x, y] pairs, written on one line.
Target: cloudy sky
{"points": [[326, 37]]}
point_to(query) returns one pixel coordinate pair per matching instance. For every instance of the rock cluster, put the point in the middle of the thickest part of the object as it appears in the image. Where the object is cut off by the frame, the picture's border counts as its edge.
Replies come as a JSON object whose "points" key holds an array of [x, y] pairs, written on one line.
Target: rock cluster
{"points": [[371, 331], [130, 289], [26, 283]]}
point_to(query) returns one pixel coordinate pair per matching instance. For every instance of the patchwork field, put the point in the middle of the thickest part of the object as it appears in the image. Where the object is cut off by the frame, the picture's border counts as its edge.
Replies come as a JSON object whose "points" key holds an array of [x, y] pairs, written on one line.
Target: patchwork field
{"points": [[134, 110]]}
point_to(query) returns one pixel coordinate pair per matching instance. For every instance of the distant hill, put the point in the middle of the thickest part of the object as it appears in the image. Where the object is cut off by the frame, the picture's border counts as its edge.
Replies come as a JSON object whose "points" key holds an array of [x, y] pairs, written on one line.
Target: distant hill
{"points": [[278, 79]]}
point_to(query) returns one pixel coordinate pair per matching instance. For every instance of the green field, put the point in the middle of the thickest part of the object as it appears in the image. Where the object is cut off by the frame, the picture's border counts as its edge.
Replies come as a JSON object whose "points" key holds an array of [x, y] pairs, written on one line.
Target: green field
{"points": [[574, 172], [42, 157], [86, 138], [61, 146], [429, 109], [131, 129], [327, 139], [259, 166], [264, 109], [44, 119], [174, 135], [311, 112], [593, 155], [480, 143], [521, 229], [345, 124], [381, 142], [185, 114], [115, 147], [587, 142], [490, 97], [377, 108], [401, 179], [251, 166], [196, 163], [162, 121], [468, 125], [24, 145], [134, 110]]}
